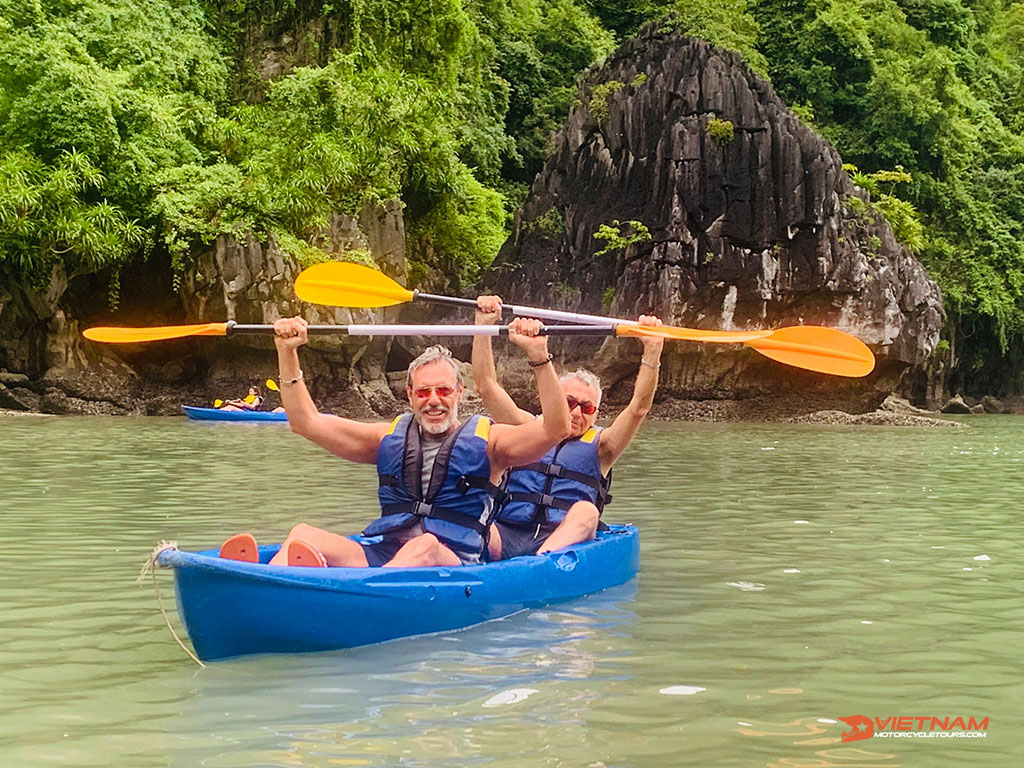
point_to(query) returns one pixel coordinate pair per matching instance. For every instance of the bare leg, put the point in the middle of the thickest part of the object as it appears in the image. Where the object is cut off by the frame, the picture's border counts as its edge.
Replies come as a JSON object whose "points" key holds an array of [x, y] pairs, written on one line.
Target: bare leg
{"points": [[424, 550], [494, 544], [580, 524], [337, 550]]}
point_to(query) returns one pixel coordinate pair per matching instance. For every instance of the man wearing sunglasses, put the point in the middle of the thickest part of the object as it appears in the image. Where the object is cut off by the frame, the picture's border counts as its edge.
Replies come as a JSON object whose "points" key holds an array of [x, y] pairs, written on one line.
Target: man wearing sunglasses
{"points": [[557, 501], [439, 477]]}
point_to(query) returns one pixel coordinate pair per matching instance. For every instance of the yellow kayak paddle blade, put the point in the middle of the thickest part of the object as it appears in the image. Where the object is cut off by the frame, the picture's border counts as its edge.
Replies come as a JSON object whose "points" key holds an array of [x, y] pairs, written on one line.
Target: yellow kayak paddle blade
{"points": [[119, 335], [812, 347], [344, 284], [826, 350]]}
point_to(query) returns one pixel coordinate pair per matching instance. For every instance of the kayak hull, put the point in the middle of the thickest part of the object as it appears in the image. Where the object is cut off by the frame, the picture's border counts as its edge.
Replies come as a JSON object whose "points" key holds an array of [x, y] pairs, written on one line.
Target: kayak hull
{"points": [[219, 414], [231, 608]]}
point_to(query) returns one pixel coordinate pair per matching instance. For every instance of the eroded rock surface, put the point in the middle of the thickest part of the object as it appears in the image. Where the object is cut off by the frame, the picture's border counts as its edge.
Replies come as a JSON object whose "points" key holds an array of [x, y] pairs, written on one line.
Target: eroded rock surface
{"points": [[753, 224]]}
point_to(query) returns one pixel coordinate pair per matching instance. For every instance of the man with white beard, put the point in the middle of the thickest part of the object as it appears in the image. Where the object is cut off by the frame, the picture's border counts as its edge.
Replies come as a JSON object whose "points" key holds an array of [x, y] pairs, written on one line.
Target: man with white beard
{"points": [[439, 478]]}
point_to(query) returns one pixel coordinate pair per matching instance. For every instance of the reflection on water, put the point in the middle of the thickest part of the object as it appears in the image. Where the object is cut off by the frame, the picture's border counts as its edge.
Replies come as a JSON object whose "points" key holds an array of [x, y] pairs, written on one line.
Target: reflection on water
{"points": [[437, 700], [790, 575]]}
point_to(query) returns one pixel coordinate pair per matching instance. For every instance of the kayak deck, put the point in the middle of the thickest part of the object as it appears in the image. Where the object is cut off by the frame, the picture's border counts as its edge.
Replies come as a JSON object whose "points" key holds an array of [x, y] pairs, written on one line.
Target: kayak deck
{"points": [[232, 608], [219, 414]]}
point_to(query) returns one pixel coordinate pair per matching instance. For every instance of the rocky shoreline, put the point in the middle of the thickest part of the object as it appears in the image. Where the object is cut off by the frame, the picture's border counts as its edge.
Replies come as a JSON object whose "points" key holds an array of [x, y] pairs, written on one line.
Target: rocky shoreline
{"points": [[893, 412], [21, 397]]}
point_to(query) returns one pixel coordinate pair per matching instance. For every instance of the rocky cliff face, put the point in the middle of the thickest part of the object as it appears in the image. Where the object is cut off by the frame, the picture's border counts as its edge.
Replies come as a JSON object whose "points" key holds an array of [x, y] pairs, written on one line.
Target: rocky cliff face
{"points": [[50, 365], [753, 224], [57, 371]]}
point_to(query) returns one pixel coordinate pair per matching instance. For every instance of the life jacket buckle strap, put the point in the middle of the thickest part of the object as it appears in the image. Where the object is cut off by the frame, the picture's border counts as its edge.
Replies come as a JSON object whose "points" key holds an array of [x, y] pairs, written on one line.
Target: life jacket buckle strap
{"points": [[464, 483]]}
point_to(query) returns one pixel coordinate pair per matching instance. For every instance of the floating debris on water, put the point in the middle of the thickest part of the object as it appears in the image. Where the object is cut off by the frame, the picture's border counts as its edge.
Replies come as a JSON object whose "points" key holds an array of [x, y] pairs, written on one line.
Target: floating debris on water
{"points": [[747, 586], [682, 690], [513, 696]]}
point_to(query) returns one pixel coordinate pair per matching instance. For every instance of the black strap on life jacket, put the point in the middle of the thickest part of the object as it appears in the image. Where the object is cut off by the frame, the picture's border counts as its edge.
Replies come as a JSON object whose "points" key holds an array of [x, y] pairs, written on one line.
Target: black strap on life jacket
{"points": [[466, 482], [412, 464], [422, 509], [439, 471], [412, 469], [556, 470], [544, 501], [463, 484]]}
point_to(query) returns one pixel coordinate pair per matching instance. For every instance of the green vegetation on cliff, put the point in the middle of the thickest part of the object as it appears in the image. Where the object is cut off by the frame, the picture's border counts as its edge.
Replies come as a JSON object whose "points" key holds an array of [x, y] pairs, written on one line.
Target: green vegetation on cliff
{"points": [[97, 100], [933, 87], [175, 138], [133, 125]]}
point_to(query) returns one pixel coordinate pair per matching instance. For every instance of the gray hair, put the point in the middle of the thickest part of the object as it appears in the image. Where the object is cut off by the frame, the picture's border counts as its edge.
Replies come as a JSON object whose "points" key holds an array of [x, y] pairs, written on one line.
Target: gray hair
{"points": [[587, 378], [432, 355]]}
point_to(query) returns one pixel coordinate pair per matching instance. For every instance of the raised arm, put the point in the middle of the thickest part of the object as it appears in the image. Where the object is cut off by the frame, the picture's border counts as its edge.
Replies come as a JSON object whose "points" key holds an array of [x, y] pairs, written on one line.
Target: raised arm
{"points": [[485, 376], [515, 445], [352, 440], [616, 438]]}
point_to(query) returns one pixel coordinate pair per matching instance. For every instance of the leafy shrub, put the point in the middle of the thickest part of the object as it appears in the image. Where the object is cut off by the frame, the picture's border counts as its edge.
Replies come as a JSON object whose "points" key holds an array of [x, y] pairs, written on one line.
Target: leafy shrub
{"points": [[620, 235], [722, 131]]}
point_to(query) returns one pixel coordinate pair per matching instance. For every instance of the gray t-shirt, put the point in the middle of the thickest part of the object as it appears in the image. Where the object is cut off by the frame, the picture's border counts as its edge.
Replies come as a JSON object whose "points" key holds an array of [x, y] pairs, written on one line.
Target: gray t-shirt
{"points": [[430, 444]]}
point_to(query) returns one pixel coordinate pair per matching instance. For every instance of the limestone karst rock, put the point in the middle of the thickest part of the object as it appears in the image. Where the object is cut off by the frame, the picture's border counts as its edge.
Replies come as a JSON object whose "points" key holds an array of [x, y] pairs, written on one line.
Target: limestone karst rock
{"points": [[753, 223]]}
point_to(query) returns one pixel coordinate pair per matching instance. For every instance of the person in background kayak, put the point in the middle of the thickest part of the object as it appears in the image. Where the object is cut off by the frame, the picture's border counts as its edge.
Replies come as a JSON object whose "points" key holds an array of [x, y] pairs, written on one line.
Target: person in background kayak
{"points": [[439, 477], [251, 402], [557, 501]]}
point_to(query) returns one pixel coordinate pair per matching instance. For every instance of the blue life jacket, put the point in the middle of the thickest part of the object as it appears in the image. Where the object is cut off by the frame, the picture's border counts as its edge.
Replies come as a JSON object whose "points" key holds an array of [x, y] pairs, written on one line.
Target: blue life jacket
{"points": [[544, 491], [460, 500]]}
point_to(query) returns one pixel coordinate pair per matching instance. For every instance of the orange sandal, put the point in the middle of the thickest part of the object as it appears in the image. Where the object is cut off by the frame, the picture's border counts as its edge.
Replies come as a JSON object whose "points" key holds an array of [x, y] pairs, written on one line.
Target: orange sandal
{"points": [[304, 553], [241, 546]]}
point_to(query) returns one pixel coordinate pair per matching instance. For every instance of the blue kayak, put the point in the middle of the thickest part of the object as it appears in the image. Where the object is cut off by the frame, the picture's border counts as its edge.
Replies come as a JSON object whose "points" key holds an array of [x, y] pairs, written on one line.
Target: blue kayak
{"points": [[219, 414], [232, 608]]}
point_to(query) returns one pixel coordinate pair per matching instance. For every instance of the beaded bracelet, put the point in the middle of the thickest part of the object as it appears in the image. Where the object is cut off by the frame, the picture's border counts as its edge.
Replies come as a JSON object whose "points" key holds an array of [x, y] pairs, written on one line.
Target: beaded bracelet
{"points": [[296, 380], [547, 360], [649, 365]]}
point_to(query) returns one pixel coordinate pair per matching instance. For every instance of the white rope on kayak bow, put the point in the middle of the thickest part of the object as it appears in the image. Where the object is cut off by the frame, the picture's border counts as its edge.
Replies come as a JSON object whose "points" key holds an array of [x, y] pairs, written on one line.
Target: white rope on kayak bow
{"points": [[149, 568]]}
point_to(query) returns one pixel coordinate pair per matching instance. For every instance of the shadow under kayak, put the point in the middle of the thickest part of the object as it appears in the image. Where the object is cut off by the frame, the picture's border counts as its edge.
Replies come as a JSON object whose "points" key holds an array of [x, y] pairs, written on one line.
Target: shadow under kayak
{"points": [[219, 414], [231, 608]]}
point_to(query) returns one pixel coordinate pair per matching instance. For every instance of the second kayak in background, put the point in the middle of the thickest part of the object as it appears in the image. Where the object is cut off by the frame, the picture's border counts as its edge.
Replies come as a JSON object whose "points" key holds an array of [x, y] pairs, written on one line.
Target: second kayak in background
{"points": [[220, 414]]}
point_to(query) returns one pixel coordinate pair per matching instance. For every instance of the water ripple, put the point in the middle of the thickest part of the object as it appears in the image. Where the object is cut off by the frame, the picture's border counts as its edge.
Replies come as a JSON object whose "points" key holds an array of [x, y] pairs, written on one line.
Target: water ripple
{"points": [[790, 575]]}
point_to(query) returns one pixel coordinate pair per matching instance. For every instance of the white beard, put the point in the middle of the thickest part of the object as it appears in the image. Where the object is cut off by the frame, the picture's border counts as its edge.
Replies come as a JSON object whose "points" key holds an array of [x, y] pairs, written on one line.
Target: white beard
{"points": [[442, 428]]}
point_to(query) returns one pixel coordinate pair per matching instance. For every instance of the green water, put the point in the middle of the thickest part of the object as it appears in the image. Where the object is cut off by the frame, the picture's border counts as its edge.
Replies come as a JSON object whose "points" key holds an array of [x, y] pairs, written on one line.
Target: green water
{"points": [[796, 574]]}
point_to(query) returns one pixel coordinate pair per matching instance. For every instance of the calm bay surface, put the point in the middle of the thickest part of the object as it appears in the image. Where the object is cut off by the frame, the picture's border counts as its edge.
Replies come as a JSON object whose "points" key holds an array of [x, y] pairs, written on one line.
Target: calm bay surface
{"points": [[790, 575]]}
